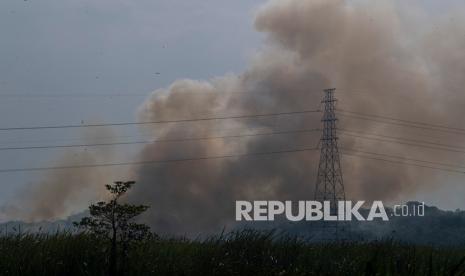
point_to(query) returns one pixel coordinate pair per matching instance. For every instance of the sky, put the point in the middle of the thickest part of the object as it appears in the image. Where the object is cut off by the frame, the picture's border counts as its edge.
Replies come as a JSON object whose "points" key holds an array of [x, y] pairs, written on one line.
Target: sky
{"points": [[85, 61], [82, 47]]}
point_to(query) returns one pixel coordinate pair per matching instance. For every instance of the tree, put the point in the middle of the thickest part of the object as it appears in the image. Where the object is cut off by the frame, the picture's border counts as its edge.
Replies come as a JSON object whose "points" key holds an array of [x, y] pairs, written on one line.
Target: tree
{"points": [[114, 221]]}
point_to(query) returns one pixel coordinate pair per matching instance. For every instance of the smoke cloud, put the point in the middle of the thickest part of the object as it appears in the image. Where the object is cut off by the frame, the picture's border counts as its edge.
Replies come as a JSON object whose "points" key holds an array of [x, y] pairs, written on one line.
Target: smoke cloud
{"points": [[383, 57], [60, 193], [367, 50]]}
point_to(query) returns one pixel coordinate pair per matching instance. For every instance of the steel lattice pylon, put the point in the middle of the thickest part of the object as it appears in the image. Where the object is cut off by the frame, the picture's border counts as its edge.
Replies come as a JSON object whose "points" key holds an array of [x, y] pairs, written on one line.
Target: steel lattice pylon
{"points": [[329, 184]]}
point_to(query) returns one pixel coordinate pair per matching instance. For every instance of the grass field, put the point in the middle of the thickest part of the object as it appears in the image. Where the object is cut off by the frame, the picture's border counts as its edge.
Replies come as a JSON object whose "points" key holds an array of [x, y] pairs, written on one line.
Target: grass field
{"points": [[246, 252]]}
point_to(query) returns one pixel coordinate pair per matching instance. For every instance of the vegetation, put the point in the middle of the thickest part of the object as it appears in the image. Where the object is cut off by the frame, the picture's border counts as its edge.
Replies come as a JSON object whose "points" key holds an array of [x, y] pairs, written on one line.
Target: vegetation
{"points": [[109, 242], [246, 252], [114, 222]]}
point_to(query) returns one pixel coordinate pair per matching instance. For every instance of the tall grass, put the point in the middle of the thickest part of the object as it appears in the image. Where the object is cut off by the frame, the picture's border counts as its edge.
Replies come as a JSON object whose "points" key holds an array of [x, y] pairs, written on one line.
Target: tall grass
{"points": [[246, 252]]}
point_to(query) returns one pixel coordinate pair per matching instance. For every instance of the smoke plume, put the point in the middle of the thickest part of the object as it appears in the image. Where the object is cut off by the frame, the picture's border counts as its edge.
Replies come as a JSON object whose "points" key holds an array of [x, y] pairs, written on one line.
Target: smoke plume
{"points": [[384, 57], [60, 193], [381, 63]]}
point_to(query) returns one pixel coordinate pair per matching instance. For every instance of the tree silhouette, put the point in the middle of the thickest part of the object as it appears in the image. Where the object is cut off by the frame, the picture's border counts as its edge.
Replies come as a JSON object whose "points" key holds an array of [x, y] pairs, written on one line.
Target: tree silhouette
{"points": [[114, 221]]}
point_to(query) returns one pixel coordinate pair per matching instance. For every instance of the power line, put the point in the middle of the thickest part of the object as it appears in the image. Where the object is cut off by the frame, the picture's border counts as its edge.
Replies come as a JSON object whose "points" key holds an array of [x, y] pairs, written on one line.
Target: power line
{"points": [[413, 142], [98, 138], [405, 158], [113, 137], [370, 92], [110, 95], [400, 124], [403, 163], [161, 140], [161, 121], [402, 120], [402, 138], [84, 95], [149, 162]]}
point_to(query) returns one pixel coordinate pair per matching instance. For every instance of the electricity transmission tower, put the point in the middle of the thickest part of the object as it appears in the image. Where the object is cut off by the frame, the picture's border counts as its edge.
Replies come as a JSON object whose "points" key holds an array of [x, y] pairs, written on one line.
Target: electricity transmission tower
{"points": [[329, 184]]}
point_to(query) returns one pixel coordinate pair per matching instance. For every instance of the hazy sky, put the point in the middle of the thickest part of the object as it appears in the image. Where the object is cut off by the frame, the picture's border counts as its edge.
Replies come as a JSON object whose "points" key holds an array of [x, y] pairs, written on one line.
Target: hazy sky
{"points": [[82, 47]]}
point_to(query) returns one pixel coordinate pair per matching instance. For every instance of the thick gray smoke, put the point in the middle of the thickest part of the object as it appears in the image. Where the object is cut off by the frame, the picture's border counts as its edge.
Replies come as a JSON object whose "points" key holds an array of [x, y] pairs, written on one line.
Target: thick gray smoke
{"points": [[380, 61], [63, 192], [383, 58]]}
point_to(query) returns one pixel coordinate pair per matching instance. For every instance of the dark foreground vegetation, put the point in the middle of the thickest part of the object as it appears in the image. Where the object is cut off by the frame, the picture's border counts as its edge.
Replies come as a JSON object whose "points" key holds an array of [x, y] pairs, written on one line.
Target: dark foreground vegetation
{"points": [[246, 252], [110, 242]]}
